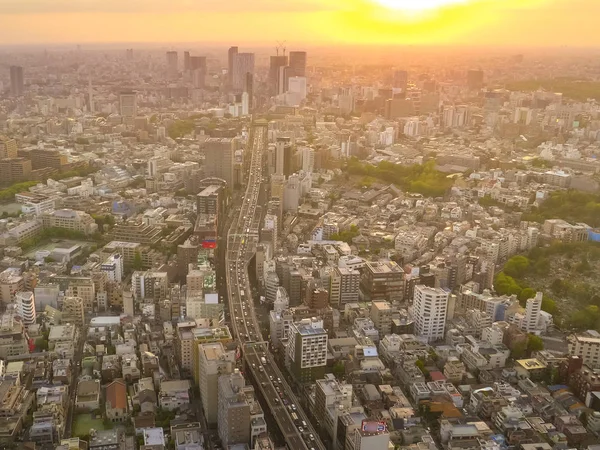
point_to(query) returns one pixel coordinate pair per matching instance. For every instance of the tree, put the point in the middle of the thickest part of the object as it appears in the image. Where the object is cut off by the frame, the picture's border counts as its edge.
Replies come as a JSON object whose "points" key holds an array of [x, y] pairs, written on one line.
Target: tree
{"points": [[339, 369], [518, 350], [526, 294], [516, 266], [534, 344], [137, 262], [41, 344]]}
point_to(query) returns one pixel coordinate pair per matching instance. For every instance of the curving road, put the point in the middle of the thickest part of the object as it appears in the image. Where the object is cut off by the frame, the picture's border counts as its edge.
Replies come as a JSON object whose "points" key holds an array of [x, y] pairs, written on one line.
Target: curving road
{"points": [[241, 240]]}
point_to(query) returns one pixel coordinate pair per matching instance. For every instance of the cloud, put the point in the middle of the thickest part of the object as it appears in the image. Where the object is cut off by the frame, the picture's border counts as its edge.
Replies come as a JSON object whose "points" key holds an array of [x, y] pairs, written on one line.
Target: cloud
{"points": [[164, 6]]}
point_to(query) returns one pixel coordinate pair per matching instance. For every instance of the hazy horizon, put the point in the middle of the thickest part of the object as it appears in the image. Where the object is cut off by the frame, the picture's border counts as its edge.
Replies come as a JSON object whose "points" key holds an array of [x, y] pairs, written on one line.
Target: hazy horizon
{"points": [[502, 23]]}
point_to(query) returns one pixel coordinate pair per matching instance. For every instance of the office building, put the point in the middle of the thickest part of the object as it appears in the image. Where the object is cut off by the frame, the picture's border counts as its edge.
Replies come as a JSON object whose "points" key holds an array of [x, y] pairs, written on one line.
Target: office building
{"points": [[344, 286], [331, 393], [17, 85], [234, 409], [186, 60], [381, 315], [243, 64], [297, 85], [172, 64], [8, 147], [113, 267], [298, 63], [370, 436], [383, 280], [276, 62], [284, 157], [219, 158], [399, 107], [84, 288], [25, 307], [430, 311], [213, 361], [73, 311], [42, 158], [13, 336], [475, 79], [208, 201], [128, 104], [587, 347], [306, 355], [13, 170], [231, 54], [400, 80], [199, 70], [70, 219]]}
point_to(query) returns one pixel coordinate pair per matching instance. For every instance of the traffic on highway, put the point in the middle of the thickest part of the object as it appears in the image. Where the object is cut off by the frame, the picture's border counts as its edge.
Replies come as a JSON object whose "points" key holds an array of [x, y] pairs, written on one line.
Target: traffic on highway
{"points": [[242, 238]]}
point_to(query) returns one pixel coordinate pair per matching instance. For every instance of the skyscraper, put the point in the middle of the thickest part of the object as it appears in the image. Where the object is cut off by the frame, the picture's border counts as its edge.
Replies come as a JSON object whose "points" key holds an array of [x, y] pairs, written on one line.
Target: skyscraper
{"points": [[233, 51], [475, 79], [400, 79], [128, 104], [298, 64], [275, 63], [219, 158], [430, 312], [172, 69], [283, 157], [198, 68], [186, 61], [285, 73], [16, 81], [243, 64]]}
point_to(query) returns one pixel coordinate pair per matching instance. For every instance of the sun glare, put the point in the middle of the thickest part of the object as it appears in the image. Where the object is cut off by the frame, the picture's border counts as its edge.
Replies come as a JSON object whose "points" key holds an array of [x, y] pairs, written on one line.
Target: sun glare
{"points": [[418, 5]]}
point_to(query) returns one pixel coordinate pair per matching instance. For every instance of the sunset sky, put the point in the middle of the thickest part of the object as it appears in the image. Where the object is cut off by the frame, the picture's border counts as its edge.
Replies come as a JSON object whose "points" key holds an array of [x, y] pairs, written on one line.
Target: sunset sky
{"points": [[402, 22]]}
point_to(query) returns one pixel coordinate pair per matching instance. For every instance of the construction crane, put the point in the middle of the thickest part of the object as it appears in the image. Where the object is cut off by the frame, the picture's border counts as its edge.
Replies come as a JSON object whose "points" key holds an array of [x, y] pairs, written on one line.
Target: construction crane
{"points": [[280, 44]]}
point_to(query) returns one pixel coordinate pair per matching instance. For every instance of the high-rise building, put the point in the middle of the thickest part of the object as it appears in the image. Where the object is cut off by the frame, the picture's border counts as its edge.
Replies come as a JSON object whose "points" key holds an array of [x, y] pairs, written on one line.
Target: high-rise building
{"points": [[383, 280], [330, 393], [14, 169], [198, 67], [475, 79], [533, 309], [234, 409], [400, 79], [186, 61], [213, 361], [73, 311], [298, 63], [172, 64], [209, 200], [8, 147], [344, 287], [128, 104], [283, 157], [430, 312], [25, 307], [16, 81], [276, 62], [231, 54], [250, 90], [285, 73], [306, 356], [297, 85], [219, 157], [243, 64]]}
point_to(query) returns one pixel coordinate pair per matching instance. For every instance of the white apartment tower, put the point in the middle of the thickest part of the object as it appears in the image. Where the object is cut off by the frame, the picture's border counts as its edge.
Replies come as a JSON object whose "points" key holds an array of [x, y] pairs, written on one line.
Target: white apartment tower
{"points": [[430, 311], [25, 307]]}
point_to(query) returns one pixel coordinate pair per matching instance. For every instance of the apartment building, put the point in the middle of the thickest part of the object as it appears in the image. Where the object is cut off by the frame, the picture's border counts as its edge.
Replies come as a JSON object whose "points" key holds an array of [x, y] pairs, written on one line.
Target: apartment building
{"points": [[587, 347], [344, 286], [430, 311], [234, 409], [383, 280], [70, 219], [306, 355]]}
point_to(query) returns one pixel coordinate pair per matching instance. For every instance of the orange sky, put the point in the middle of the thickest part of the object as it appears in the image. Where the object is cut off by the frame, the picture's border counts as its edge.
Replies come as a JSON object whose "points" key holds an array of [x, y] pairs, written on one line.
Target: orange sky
{"points": [[480, 22]]}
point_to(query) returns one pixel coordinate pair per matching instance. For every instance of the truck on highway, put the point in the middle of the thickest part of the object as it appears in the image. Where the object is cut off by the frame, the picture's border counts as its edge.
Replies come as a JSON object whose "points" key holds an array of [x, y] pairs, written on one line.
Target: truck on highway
{"points": [[263, 360]]}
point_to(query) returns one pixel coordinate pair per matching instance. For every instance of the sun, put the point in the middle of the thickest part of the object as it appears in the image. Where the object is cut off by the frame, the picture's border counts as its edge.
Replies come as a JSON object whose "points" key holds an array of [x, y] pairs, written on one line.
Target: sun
{"points": [[416, 6]]}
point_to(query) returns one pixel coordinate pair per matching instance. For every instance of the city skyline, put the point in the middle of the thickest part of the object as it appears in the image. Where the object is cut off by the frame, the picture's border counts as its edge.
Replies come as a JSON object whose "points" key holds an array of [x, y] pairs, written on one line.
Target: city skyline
{"points": [[525, 23]]}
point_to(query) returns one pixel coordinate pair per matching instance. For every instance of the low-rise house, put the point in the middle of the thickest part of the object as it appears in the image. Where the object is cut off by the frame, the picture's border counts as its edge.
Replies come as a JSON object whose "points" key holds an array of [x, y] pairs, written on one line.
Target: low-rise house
{"points": [[130, 367], [174, 394], [88, 395], [111, 367]]}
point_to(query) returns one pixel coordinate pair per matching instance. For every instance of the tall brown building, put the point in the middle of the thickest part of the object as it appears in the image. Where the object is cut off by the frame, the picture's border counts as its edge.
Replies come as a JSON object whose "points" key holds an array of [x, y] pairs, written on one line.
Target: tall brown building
{"points": [[8, 148], [40, 159], [14, 169]]}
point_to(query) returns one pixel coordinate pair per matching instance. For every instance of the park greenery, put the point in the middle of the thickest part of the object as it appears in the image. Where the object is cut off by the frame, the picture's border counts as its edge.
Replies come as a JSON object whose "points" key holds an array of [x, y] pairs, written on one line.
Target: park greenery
{"points": [[180, 128], [8, 194], [572, 206], [580, 299], [572, 88], [58, 233], [346, 235], [419, 178]]}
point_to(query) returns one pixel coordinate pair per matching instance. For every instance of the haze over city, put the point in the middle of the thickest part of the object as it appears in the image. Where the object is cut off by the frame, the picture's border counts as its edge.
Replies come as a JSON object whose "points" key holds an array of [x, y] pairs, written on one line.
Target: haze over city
{"points": [[522, 23], [299, 225]]}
